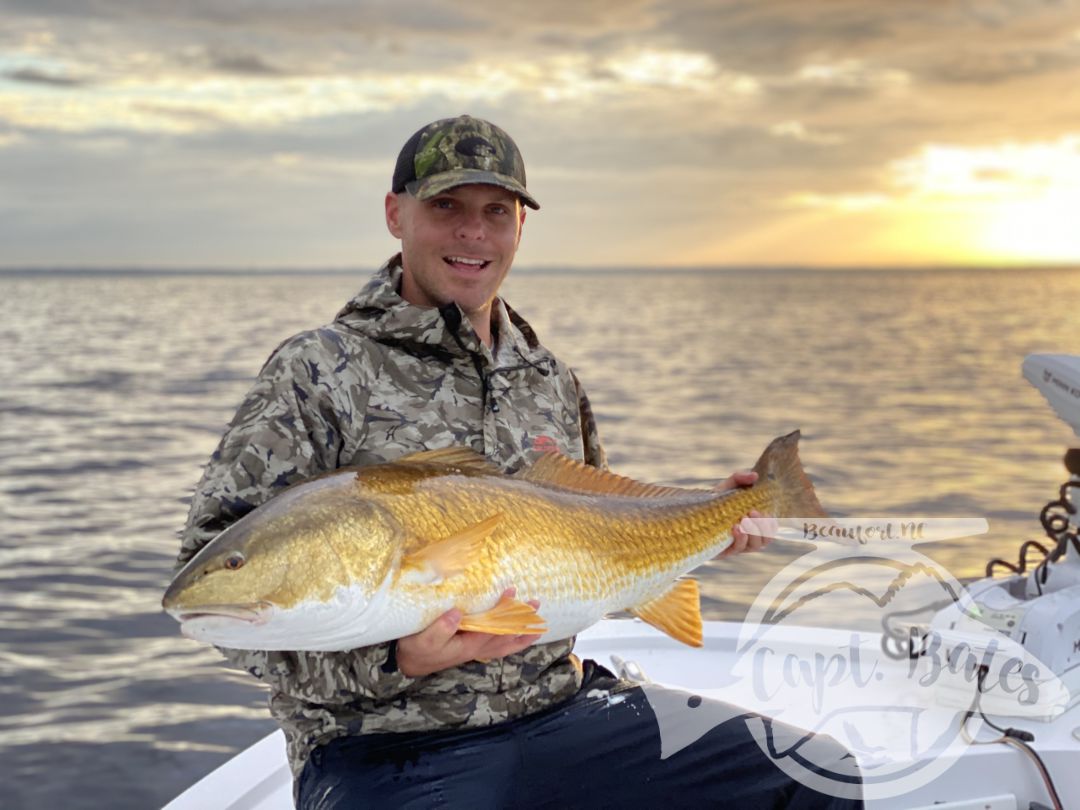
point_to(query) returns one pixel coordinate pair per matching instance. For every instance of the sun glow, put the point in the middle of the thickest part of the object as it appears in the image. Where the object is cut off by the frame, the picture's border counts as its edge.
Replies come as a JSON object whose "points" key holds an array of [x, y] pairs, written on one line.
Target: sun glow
{"points": [[1046, 229], [1025, 197], [1004, 204]]}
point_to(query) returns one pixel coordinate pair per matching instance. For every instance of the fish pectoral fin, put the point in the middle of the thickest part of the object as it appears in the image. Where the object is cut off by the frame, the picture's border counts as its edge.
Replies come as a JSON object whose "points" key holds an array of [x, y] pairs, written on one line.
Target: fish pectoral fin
{"points": [[450, 556], [508, 618], [676, 612]]}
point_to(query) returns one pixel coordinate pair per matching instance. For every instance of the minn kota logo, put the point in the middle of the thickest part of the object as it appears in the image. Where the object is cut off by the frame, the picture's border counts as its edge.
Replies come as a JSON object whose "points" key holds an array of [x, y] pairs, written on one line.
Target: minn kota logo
{"points": [[829, 706]]}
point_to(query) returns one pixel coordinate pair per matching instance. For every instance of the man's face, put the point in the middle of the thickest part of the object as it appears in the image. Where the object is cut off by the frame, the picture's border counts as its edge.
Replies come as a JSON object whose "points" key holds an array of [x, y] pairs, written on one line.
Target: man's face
{"points": [[457, 246]]}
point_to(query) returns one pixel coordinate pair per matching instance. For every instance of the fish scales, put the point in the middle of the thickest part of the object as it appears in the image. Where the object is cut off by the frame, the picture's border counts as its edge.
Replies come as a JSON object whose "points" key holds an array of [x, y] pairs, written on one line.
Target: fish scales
{"points": [[542, 530], [360, 556]]}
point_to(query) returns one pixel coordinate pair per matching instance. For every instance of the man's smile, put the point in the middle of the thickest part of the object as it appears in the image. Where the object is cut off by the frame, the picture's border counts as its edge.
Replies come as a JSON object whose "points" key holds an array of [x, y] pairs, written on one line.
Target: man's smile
{"points": [[466, 263]]}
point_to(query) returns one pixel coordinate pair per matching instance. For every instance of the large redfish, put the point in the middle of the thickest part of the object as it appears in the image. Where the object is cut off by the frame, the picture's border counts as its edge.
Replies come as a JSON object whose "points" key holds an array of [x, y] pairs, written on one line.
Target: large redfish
{"points": [[364, 555]]}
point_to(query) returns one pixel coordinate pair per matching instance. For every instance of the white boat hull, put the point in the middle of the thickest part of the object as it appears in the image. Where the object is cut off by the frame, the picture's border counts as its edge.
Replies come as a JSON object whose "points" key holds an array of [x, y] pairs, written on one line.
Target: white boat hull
{"points": [[982, 777]]}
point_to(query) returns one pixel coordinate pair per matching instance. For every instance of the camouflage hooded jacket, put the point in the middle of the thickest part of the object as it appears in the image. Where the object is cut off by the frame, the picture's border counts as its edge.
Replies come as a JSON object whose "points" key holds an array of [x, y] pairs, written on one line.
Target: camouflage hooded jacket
{"points": [[383, 380]]}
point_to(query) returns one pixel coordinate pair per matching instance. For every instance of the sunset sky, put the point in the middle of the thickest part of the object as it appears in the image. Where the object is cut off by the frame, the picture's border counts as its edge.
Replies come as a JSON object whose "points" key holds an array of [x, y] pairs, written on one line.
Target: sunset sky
{"points": [[247, 133]]}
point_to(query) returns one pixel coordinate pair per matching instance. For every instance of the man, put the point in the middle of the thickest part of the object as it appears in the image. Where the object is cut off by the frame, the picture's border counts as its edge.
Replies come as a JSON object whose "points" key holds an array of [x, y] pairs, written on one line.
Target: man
{"points": [[426, 356]]}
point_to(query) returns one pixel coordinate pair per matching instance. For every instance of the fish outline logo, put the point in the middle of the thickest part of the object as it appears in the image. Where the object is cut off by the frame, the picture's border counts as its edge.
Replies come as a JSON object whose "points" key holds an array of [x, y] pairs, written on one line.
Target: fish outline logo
{"points": [[840, 691]]}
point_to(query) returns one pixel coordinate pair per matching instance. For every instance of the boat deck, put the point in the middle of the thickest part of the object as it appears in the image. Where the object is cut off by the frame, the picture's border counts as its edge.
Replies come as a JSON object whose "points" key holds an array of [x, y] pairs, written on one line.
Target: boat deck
{"points": [[978, 777]]}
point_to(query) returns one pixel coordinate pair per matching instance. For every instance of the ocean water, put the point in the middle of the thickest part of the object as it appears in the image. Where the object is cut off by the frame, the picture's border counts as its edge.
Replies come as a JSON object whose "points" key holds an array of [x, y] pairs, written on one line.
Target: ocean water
{"points": [[114, 389]]}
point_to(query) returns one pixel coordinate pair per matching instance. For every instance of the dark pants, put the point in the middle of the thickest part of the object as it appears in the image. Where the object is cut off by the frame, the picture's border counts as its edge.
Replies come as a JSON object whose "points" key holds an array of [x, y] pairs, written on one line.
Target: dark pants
{"points": [[593, 751]]}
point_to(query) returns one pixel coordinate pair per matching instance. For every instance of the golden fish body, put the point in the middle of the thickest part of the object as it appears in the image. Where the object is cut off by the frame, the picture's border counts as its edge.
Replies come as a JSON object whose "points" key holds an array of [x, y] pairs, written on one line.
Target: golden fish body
{"points": [[365, 555]]}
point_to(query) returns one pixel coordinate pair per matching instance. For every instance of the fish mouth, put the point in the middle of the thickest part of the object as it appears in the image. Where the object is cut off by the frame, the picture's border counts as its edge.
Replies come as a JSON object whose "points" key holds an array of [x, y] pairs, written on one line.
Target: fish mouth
{"points": [[257, 613]]}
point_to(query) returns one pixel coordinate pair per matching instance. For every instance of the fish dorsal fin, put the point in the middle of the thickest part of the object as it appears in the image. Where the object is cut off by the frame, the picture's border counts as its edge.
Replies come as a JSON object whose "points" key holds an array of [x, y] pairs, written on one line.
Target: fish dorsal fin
{"points": [[402, 475], [464, 460], [450, 556], [676, 612], [510, 617], [557, 470]]}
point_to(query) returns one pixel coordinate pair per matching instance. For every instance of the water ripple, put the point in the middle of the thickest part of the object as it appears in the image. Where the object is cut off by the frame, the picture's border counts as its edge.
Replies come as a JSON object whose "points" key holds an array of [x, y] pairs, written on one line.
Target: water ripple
{"points": [[906, 387]]}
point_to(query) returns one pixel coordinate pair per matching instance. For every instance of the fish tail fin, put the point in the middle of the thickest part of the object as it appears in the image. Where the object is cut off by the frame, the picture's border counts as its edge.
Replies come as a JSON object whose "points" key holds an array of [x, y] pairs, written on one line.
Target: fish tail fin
{"points": [[780, 463]]}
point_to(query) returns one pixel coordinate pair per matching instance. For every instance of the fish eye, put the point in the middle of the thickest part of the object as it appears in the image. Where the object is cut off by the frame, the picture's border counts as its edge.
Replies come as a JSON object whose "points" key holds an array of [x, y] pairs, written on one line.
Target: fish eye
{"points": [[234, 561]]}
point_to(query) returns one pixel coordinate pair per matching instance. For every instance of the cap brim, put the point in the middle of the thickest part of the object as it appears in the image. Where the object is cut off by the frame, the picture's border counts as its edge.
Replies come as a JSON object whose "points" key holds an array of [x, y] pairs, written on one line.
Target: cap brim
{"points": [[428, 187]]}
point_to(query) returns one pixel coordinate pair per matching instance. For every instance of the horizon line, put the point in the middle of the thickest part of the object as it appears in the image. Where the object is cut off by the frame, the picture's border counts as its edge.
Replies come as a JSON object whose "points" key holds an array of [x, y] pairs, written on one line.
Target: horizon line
{"points": [[205, 270]]}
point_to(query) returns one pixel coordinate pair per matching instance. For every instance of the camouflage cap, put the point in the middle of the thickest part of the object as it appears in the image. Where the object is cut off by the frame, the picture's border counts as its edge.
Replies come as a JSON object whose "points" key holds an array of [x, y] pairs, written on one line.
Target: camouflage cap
{"points": [[458, 151]]}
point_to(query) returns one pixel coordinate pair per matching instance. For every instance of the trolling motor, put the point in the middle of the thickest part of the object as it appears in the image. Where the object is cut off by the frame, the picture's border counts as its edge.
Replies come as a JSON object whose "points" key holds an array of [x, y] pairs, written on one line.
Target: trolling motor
{"points": [[1038, 607], [1057, 376], [1033, 614]]}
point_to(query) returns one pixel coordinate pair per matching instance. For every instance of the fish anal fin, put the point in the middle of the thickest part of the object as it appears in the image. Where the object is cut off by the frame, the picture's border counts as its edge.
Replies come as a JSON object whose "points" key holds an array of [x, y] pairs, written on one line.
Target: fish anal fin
{"points": [[450, 556], [510, 617], [557, 470], [676, 612]]}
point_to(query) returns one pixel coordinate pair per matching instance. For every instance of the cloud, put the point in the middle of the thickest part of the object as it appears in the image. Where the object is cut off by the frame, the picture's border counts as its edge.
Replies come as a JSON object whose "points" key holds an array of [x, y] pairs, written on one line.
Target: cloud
{"points": [[442, 15], [840, 202], [8, 139], [997, 67], [798, 131], [652, 131], [34, 76], [1007, 169], [243, 64], [173, 117], [263, 96], [849, 74], [778, 37]]}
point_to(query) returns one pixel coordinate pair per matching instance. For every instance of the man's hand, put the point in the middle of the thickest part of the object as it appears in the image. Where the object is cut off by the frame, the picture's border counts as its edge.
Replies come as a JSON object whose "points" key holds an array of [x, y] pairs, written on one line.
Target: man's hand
{"points": [[442, 645], [752, 533]]}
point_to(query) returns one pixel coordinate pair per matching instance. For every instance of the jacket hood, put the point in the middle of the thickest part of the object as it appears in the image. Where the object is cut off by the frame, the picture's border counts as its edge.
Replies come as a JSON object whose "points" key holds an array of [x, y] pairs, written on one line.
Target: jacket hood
{"points": [[380, 313]]}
